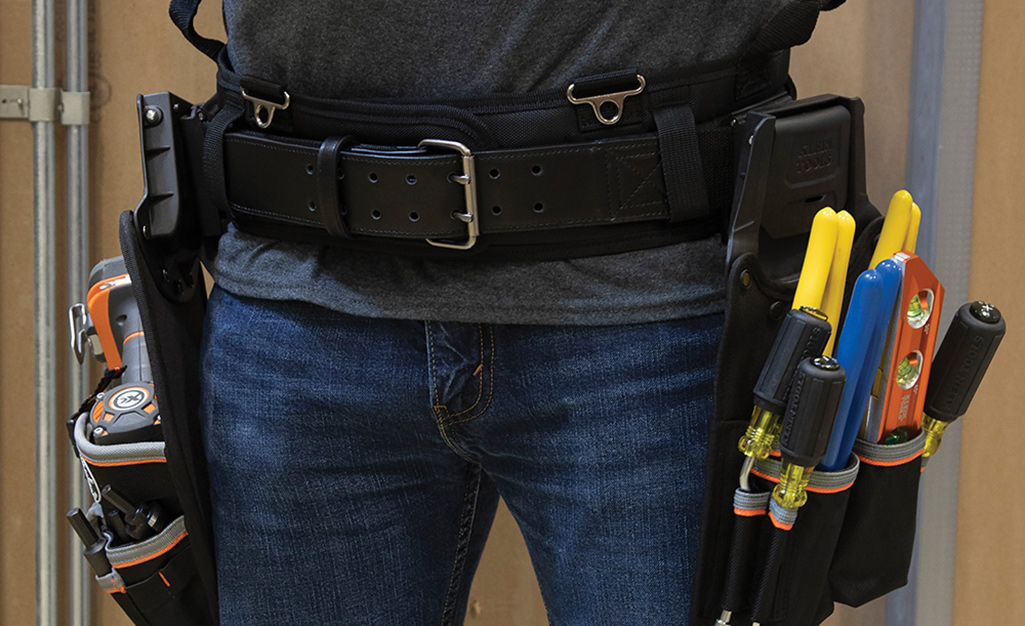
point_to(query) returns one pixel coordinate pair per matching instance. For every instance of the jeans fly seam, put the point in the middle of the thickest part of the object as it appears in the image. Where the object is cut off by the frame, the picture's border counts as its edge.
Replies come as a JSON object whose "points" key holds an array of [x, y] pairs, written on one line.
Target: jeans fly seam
{"points": [[491, 380], [453, 446], [434, 369], [480, 381], [466, 519]]}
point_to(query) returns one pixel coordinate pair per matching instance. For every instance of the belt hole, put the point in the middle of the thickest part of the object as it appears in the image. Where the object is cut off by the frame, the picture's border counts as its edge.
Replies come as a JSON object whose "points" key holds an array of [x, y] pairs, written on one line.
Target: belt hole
{"points": [[375, 214], [313, 205], [536, 170], [411, 179], [309, 169], [494, 173], [372, 177], [539, 208], [497, 210], [414, 216]]}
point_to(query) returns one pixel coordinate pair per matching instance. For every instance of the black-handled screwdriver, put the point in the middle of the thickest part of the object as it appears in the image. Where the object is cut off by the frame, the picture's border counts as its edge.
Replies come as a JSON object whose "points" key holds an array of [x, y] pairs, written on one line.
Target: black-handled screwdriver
{"points": [[958, 367], [804, 333], [804, 437], [141, 522]]}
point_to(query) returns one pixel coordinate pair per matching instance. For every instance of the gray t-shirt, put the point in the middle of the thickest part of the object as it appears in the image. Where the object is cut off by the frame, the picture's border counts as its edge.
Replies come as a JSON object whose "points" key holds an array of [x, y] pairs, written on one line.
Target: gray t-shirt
{"points": [[445, 49]]}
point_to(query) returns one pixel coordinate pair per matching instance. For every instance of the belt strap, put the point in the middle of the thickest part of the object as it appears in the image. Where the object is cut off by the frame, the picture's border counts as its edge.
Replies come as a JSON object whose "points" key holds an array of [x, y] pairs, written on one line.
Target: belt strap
{"points": [[412, 194]]}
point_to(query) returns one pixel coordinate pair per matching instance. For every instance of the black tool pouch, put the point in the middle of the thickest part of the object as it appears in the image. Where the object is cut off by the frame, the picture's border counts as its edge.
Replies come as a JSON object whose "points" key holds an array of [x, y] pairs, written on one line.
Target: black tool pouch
{"points": [[874, 552], [154, 580], [795, 158], [755, 307], [172, 317], [789, 579]]}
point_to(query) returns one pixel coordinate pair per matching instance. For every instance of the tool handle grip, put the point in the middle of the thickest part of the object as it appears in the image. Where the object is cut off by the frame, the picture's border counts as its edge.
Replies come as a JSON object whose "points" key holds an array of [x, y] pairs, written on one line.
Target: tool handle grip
{"points": [[962, 359], [803, 334], [814, 399]]}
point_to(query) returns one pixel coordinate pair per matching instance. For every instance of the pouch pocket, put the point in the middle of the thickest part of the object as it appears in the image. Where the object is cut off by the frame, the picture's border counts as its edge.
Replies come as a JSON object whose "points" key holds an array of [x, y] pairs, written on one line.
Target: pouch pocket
{"points": [[793, 589], [878, 536], [137, 471], [155, 581]]}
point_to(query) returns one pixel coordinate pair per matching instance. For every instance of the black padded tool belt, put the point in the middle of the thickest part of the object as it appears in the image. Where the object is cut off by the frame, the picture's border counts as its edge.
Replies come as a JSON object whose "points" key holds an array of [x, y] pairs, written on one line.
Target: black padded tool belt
{"points": [[526, 176], [609, 163]]}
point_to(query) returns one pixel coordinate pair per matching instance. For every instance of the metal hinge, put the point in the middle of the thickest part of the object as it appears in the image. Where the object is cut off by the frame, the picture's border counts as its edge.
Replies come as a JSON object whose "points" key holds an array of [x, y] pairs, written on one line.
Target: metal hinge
{"points": [[44, 105]]}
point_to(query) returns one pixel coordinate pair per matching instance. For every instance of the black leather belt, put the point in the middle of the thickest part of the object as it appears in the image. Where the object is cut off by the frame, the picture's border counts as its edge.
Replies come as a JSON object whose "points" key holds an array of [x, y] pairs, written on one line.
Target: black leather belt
{"points": [[418, 194], [546, 174]]}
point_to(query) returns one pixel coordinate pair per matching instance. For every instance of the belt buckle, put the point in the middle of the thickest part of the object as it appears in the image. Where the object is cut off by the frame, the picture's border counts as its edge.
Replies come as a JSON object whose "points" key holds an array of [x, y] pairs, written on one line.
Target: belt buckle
{"points": [[468, 179]]}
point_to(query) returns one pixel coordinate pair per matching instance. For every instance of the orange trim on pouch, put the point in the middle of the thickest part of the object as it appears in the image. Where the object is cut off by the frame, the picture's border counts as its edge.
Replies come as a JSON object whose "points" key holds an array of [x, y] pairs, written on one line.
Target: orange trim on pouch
{"points": [[879, 463], [778, 524], [121, 463], [813, 489], [760, 474], [748, 512], [164, 578]]}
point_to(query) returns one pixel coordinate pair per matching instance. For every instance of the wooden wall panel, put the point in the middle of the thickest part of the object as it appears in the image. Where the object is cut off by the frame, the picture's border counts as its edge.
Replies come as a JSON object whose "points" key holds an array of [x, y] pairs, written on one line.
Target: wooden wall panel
{"points": [[990, 572], [17, 416]]}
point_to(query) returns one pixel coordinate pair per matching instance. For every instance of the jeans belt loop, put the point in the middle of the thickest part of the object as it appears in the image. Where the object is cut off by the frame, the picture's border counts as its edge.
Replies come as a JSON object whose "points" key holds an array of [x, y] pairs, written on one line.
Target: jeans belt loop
{"points": [[328, 203]]}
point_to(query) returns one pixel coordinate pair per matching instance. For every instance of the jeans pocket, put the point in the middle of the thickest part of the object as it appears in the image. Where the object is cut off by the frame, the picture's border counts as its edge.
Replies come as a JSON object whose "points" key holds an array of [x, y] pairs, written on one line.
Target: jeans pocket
{"points": [[874, 553]]}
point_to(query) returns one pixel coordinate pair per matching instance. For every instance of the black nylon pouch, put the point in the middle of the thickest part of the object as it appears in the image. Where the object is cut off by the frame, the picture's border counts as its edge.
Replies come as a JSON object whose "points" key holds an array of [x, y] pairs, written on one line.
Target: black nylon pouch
{"points": [[800, 595], [874, 553], [173, 330], [755, 307], [155, 581]]}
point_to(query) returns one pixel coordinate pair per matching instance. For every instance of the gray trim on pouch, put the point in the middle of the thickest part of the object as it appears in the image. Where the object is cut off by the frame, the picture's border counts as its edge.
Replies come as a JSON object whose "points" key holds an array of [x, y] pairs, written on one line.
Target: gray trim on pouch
{"points": [[750, 501], [115, 453], [782, 514], [111, 582], [136, 551], [820, 480], [888, 453]]}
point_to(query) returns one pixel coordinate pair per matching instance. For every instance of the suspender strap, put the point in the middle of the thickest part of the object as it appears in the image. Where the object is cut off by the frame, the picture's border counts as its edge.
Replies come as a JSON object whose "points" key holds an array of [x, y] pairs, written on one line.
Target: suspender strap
{"points": [[183, 14], [213, 151]]}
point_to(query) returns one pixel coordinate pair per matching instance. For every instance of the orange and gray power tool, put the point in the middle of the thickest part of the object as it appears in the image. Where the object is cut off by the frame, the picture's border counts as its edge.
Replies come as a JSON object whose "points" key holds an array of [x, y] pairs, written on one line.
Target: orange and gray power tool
{"points": [[109, 323]]}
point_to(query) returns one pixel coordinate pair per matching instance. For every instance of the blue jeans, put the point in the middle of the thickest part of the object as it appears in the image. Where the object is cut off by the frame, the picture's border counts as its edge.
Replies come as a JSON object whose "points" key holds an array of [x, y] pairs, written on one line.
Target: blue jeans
{"points": [[356, 463]]}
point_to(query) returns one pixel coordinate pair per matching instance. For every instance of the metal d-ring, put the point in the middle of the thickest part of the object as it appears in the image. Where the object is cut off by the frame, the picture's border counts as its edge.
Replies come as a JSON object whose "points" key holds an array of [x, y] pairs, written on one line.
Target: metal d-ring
{"points": [[260, 106], [616, 99]]}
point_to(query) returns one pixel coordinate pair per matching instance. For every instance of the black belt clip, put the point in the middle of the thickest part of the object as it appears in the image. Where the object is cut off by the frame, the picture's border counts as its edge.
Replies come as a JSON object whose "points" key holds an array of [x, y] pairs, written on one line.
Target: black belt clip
{"points": [[795, 159]]}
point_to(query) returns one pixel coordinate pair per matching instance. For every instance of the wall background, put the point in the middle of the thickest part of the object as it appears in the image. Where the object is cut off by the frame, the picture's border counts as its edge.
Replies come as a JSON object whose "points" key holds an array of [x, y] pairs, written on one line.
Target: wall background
{"points": [[863, 48]]}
